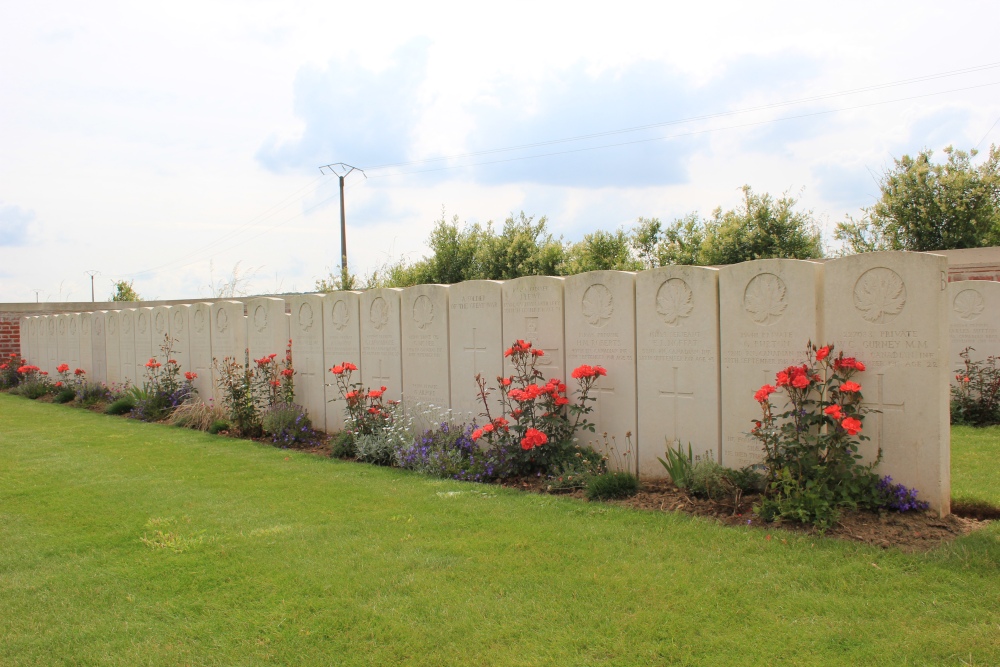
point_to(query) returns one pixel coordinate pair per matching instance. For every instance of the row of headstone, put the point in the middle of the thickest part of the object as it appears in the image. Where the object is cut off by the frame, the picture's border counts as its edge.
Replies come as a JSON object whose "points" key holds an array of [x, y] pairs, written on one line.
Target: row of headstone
{"points": [[974, 312], [685, 348]]}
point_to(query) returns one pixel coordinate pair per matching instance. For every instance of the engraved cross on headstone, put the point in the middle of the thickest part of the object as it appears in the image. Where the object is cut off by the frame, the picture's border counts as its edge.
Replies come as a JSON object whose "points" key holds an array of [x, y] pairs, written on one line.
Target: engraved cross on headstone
{"points": [[881, 405], [474, 348], [675, 394], [381, 379], [599, 393]]}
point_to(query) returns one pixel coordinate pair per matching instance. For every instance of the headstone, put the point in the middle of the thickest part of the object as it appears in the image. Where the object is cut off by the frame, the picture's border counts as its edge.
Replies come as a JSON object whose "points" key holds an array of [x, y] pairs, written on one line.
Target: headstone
{"points": [[768, 311], [199, 317], [160, 320], [86, 322], [64, 343], [533, 311], [177, 323], [677, 324], [307, 356], [477, 345], [126, 343], [51, 345], [267, 327], [600, 331], [229, 336], [974, 321], [112, 339], [24, 337], [426, 374], [381, 363], [146, 347], [341, 342], [890, 310], [99, 346], [34, 346], [72, 354]]}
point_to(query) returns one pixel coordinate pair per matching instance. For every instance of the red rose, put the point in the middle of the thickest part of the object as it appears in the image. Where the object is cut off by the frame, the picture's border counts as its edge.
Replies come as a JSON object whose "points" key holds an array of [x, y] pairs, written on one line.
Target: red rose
{"points": [[800, 382], [834, 411], [348, 366], [851, 425], [288, 372], [822, 353], [764, 392], [533, 438], [62, 368], [337, 370], [79, 371], [477, 434], [189, 376], [850, 387]]}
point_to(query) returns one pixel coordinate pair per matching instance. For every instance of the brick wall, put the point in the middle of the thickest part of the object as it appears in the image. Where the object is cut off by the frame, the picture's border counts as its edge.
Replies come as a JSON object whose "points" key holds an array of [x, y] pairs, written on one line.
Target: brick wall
{"points": [[10, 334]]}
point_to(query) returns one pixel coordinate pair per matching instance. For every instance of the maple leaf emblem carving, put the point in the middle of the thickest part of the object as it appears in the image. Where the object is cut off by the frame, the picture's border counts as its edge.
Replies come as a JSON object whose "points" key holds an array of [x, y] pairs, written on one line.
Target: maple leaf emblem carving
{"points": [[379, 313], [142, 323], [222, 320], [879, 295], [72, 326], [423, 311], [764, 298], [160, 322], [97, 327], [674, 301], [52, 327], [178, 322], [126, 323], [112, 324], [199, 320], [598, 305], [340, 315], [305, 317], [62, 326], [969, 304]]}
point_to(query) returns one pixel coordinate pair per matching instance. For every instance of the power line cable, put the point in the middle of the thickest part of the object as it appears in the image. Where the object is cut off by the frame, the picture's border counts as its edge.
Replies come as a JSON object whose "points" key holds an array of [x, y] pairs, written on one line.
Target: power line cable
{"points": [[987, 133]]}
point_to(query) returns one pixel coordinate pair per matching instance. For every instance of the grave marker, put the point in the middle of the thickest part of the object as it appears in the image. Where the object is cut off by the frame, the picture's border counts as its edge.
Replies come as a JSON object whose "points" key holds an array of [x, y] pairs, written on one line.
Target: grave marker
{"points": [[381, 361], [85, 321], [600, 331], [477, 345], [533, 311], [974, 317], [341, 342], [112, 340], [425, 352], [891, 310], [307, 356], [267, 327], [126, 342], [99, 346], [199, 319], [178, 325], [677, 324], [769, 309], [145, 347]]}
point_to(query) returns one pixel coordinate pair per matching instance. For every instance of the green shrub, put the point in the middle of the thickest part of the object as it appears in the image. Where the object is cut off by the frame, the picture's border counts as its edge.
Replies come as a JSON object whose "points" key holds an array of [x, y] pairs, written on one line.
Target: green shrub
{"points": [[678, 465], [378, 448], [708, 479], [612, 486], [90, 393], [975, 395], [747, 479], [64, 395], [196, 415], [217, 426], [342, 446], [33, 388], [120, 406]]}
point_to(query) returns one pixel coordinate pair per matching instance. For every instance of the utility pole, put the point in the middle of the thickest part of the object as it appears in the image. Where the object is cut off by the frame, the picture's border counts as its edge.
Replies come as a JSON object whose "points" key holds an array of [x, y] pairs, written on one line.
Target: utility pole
{"points": [[342, 170], [92, 273], [36, 291]]}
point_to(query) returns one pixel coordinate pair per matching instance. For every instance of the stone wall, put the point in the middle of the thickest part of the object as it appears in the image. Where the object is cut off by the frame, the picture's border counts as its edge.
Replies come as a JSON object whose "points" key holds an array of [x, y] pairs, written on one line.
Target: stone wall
{"points": [[685, 347]]}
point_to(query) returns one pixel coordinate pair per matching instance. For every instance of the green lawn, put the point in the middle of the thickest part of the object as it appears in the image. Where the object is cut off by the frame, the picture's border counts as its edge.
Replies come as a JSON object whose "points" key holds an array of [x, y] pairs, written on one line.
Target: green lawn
{"points": [[134, 544]]}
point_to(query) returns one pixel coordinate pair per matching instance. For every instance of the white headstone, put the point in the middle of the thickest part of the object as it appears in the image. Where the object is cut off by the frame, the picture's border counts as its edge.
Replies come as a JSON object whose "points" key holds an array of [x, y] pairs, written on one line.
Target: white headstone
{"points": [[424, 331], [99, 346], [177, 320], [146, 347], [51, 345], [600, 331], [890, 310], [677, 324], [229, 335], [126, 342], [199, 317], [112, 339], [533, 312], [160, 321], [24, 338], [477, 345], [33, 336], [341, 342], [768, 311], [72, 355], [381, 363], [267, 327], [67, 343], [975, 321], [86, 322], [307, 356]]}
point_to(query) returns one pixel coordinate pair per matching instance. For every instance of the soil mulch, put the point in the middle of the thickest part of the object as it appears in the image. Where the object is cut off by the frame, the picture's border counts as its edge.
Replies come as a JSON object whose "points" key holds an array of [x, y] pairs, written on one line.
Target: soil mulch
{"points": [[908, 531]]}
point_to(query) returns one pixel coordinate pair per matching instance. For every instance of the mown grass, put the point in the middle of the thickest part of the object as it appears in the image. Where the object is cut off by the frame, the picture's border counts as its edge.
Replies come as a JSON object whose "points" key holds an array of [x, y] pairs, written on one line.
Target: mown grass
{"points": [[124, 543], [975, 464]]}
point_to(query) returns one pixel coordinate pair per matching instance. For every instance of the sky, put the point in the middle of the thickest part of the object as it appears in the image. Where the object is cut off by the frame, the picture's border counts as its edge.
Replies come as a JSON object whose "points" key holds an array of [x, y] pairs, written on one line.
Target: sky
{"points": [[177, 146]]}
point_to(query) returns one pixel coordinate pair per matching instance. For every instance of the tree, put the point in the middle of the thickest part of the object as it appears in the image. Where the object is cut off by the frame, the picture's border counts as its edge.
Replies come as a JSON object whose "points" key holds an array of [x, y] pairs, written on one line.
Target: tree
{"points": [[125, 292], [601, 251], [761, 228], [928, 206]]}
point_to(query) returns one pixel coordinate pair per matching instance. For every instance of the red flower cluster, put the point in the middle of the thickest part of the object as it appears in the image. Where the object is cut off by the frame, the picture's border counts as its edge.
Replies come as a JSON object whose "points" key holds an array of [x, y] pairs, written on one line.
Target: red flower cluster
{"points": [[763, 393], [523, 347], [533, 438], [3, 367], [834, 411], [959, 377], [842, 363], [172, 361], [495, 425], [287, 372], [850, 387], [152, 363], [795, 376], [59, 384], [376, 393], [263, 361], [79, 371], [585, 371], [62, 368], [822, 353], [24, 370], [345, 367], [189, 376], [851, 425]]}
